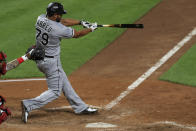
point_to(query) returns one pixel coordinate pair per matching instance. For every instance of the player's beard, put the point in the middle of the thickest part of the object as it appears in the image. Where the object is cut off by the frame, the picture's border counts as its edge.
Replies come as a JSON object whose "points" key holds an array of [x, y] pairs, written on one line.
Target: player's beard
{"points": [[58, 19]]}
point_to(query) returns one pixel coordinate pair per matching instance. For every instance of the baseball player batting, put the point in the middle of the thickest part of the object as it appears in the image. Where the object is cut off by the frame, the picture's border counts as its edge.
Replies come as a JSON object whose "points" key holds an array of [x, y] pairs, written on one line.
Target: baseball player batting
{"points": [[51, 28]]}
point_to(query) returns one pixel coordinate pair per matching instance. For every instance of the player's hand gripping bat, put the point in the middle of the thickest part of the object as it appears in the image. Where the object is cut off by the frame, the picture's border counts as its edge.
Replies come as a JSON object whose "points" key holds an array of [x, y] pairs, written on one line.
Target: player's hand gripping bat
{"points": [[140, 26]]}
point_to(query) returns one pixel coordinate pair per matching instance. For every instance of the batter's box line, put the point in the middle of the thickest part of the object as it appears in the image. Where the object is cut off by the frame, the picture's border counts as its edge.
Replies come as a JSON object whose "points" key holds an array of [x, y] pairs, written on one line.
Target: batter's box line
{"points": [[21, 80], [150, 71], [68, 107]]}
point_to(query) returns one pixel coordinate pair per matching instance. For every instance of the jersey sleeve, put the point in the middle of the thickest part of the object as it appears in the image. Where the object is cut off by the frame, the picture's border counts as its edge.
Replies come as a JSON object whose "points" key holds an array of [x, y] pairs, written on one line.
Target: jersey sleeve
{"points": [[65, 32]]}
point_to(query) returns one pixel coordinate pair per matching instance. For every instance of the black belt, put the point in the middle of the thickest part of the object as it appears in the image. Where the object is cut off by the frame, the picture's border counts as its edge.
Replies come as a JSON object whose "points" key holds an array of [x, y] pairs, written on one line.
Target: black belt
{"points": [[49, 56]]}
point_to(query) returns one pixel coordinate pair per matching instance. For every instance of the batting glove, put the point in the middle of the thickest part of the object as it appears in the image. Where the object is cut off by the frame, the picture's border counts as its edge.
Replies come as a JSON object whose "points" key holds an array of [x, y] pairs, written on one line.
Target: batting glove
{"points": [[85, 24], [93, 26]]}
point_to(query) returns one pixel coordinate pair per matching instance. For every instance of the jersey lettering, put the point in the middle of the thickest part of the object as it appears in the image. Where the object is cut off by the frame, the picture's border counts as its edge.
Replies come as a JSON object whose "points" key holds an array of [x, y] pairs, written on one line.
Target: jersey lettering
{"points": [[44, 25]]}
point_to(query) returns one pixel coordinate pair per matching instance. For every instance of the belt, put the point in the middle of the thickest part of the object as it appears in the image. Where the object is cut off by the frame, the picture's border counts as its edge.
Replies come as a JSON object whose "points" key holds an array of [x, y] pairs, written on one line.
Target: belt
{"points": [[49, 56]]}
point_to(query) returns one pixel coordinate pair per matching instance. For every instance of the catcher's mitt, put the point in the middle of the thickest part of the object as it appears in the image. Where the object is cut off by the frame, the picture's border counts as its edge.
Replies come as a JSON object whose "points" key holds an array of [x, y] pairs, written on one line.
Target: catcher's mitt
{"points": [[3, 63], [36, 53]]}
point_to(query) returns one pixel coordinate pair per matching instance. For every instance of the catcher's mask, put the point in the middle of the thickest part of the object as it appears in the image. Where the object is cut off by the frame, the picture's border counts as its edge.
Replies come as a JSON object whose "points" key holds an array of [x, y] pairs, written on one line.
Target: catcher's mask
{"points": [[2, 101], [55, 8]]}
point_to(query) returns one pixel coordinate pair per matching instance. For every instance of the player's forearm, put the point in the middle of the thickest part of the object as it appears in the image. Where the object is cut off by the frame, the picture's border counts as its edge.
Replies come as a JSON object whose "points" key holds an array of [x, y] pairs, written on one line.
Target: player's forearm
{"points": [[16, 62], [81, 33], [70, 22]]}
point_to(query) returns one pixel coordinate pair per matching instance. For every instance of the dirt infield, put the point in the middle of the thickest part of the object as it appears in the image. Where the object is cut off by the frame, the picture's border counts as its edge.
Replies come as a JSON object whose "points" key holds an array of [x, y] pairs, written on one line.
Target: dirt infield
{"points": [[153, 106]]}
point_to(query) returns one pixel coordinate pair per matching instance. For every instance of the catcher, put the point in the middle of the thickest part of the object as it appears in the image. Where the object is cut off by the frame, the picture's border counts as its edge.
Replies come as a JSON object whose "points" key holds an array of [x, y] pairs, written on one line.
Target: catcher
{"points": [[4, 111]]}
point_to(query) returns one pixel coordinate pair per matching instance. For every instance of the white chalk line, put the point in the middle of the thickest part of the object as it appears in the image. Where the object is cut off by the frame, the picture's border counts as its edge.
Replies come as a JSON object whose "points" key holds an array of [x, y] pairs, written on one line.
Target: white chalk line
{"points": [[100, 125], [151, 70], [21, 80], [69, 107], [174, 124]]}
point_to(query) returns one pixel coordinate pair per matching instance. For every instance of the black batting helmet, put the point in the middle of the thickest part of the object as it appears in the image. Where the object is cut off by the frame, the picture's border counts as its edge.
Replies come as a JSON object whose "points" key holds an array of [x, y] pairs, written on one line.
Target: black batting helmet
{"points": [[55, 8]]}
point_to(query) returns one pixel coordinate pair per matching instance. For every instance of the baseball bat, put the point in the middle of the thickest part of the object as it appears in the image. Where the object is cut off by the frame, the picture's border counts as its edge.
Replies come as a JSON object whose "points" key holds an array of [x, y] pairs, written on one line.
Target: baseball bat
{"points": [[123, 25]]}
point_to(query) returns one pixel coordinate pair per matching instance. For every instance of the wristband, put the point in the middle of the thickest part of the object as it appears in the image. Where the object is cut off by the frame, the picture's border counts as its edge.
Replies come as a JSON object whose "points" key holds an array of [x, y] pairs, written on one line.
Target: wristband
{"points": [[22, 59]]}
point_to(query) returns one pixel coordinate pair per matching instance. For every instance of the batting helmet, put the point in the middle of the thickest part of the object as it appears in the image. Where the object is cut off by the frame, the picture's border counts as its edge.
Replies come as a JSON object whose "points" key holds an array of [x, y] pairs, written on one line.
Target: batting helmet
{"points": [[55, 8]]}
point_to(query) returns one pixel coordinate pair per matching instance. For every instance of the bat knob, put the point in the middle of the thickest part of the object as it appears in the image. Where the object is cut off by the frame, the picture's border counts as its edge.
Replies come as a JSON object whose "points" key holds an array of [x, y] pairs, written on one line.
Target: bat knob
{"points": [[140, 26]]}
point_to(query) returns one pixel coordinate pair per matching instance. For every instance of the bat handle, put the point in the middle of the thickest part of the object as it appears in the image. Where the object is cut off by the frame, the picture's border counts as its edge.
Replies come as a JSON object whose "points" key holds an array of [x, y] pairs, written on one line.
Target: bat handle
{"points": [[99, 25]]}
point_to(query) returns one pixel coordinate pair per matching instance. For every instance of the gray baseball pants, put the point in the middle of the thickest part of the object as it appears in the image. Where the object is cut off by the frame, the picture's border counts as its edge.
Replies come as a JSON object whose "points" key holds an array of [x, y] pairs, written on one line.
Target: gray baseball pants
{"points": [[57, 81]]}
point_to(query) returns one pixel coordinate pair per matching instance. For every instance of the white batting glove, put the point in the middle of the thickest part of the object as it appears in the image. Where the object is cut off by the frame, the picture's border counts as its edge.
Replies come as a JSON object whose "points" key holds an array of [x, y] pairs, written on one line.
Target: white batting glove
{"points": [[93, 26], [85, 24]]}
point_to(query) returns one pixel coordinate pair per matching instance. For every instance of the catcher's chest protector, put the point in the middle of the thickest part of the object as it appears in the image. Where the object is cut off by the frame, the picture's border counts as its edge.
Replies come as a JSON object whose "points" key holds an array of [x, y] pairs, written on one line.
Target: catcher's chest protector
{"points": [[3, 63]]}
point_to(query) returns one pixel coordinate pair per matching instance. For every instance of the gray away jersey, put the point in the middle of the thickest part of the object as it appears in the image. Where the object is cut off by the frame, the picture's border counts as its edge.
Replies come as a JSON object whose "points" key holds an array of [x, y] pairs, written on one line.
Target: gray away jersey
{"points": [[49, 34]]}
